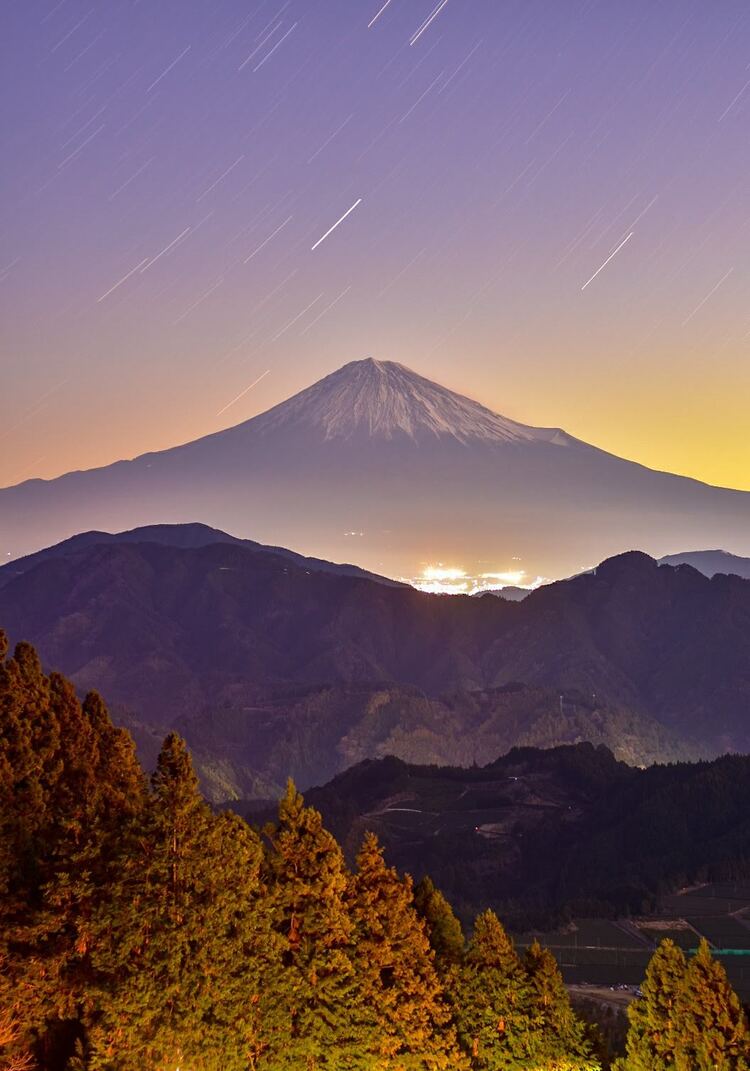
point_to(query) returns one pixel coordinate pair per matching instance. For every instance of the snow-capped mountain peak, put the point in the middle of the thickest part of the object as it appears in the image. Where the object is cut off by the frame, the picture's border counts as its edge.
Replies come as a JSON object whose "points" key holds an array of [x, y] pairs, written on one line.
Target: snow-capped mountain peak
{"points": [[386, 400]]}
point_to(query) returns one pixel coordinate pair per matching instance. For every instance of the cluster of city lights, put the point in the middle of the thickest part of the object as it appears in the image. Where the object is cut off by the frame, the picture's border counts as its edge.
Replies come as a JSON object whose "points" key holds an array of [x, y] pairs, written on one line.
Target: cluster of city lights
{"points": [[441, 579]]}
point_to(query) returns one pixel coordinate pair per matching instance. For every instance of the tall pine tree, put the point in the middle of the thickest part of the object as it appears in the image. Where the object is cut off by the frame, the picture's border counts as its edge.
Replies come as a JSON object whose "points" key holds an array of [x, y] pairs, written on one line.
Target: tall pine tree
{"points": [[397, 966], [654, 1027], [67, 779], [321, 1017], [558, 1037], [493, 1000], [713, 1032], [175, 945]]}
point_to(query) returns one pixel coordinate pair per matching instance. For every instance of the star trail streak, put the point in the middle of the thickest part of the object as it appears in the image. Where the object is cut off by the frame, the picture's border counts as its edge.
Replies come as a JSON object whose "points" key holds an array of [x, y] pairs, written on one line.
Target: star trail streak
{"points": [[379, 13], [244, 392], [333, 228], [121, 281], [166, 70], [267, 240], [710, 294], [606, 262], [428, 21]]}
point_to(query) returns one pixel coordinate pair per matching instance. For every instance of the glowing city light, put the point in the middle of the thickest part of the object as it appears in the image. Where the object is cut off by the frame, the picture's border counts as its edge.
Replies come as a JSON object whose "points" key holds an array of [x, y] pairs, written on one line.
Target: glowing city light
{"points": [[439, 572], [513, 576], [440, 579]]}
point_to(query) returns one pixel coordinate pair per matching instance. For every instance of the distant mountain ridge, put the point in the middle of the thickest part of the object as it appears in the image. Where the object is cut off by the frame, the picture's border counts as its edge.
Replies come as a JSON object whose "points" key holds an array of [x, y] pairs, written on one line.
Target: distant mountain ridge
{"points": [[711, 562], [270, 667], [509, 592], [708, 562], [186, 536], [376, 464]]}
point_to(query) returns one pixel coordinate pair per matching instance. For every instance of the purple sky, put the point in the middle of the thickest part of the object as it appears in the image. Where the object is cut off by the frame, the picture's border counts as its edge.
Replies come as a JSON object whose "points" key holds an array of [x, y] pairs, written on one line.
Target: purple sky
{"points": [[169, 167]]}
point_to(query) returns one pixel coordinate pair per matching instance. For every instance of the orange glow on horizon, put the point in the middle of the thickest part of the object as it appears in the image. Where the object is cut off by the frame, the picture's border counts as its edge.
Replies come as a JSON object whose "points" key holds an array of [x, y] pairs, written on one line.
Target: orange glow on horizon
{"points": [[440, 579]]}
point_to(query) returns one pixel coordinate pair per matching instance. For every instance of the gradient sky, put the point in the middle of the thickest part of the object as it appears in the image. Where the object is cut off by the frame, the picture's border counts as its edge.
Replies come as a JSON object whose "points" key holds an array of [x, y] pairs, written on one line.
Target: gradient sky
{"points": [[168, 167]]}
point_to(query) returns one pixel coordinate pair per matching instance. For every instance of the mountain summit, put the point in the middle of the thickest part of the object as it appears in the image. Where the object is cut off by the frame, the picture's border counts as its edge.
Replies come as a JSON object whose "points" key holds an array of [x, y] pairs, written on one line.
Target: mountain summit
{"points": [[377, 465], [383, 399]]}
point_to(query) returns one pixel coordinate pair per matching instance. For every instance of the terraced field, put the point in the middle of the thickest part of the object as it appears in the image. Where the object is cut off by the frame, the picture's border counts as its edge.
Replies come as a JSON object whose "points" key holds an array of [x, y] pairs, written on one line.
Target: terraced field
{"points": [[597, 952]]}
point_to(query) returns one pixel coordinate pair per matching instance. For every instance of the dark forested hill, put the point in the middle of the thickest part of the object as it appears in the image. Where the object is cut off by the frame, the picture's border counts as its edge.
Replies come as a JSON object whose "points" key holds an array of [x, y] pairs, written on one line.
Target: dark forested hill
{"points": [[186, 536], [271, 666], [543, 834]]}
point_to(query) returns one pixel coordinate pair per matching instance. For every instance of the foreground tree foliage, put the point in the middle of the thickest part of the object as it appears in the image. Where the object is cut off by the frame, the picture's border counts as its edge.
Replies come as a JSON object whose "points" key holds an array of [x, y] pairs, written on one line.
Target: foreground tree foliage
{"points": [[141, 931], [513, 1014], [443, 928], [492, 998], [69, 781], [653, 1033], [397, 968], [558, 1037], [319, 1017], [175, 944], [688, 1019], [713, 1029]]}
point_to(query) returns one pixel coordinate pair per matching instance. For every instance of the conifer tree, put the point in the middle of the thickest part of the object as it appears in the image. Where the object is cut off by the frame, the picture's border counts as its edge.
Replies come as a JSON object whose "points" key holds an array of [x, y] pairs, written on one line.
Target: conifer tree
{"points": [[443, 928], [558, 1037], [29, 761], [654, 1028], [398, 970], [66, 778], [175, 945], [321, 1019], [100, 786], [713, 1032], [493, 1000]]}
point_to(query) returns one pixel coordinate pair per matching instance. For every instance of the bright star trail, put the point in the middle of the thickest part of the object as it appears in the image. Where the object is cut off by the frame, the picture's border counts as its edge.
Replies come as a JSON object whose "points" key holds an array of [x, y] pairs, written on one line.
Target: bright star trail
{"points": [[428, 22], [379, 13], [606, 262], [338, 221]]}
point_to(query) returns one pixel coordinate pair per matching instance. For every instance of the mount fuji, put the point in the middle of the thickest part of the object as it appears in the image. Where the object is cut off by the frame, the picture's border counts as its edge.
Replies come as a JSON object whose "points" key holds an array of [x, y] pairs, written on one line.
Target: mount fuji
{"points": [[378, 465]]}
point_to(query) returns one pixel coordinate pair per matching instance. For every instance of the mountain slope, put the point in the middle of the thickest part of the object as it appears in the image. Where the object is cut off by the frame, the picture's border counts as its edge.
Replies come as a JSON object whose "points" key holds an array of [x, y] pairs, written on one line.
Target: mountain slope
{"points": [[374, 463], [385, 400], [271, 668]]}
